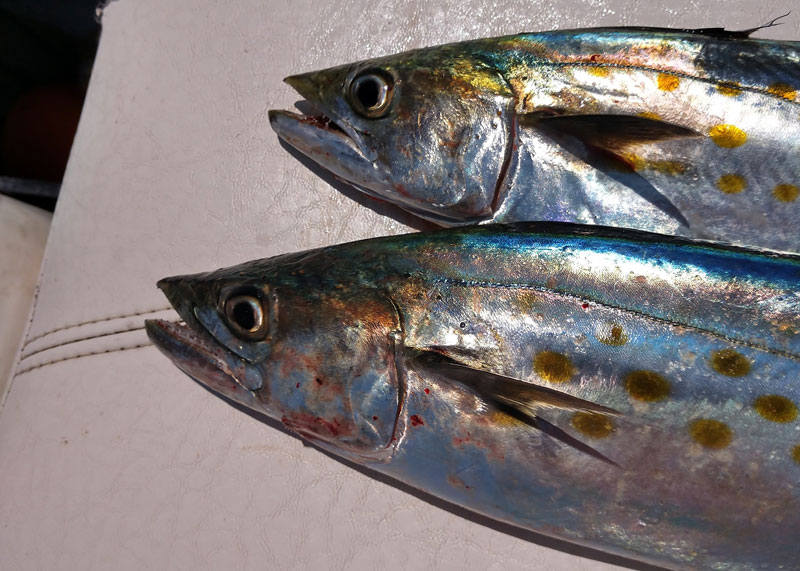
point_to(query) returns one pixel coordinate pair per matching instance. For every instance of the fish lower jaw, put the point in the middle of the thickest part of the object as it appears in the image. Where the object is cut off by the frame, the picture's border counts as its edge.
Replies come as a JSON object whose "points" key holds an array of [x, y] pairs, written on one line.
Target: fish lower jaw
{"points": [[200, 357], [302, 131]]}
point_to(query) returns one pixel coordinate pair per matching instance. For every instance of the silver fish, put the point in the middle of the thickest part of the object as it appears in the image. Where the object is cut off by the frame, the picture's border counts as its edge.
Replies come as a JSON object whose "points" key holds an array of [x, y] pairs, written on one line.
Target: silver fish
{"points": [[621, 390], [689, 132]]}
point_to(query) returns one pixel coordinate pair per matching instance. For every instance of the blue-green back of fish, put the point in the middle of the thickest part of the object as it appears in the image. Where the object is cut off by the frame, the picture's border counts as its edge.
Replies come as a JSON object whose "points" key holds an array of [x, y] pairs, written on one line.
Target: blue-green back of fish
{"points": [[684, 133], [626, 391]]}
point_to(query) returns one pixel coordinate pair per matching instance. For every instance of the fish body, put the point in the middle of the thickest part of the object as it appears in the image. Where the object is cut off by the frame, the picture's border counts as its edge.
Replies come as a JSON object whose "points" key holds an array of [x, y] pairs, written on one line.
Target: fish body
{"points": [[684, 132], [626, 391]]}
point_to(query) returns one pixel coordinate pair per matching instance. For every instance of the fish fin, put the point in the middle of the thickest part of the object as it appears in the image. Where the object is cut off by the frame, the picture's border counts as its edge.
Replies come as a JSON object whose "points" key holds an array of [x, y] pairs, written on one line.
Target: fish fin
{"points": [[516, 398], [600, 141], [737, 34], [519, 395], [720, 33], [614, 133], [571, 441]]}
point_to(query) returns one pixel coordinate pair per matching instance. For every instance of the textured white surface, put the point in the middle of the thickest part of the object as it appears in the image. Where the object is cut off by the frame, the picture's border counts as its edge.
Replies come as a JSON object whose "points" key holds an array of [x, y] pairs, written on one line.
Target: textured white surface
{"points": [[117, 460]]}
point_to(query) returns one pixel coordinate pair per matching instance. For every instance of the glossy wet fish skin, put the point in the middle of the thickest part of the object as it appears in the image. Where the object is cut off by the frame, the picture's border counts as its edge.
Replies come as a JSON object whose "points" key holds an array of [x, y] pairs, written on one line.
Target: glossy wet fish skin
{"points": [[738, 181], [668, 334]]}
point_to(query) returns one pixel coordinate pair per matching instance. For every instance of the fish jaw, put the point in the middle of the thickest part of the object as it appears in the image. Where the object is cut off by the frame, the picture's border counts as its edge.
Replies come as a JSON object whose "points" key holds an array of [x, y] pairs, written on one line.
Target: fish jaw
{"points": [[330, 116], [326, 143], [331, 113], [195, 349], [204, 361]]}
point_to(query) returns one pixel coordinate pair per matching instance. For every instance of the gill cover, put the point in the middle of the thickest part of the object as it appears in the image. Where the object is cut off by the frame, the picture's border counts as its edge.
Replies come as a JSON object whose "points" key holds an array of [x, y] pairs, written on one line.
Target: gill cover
{"points": [[332, 373]]}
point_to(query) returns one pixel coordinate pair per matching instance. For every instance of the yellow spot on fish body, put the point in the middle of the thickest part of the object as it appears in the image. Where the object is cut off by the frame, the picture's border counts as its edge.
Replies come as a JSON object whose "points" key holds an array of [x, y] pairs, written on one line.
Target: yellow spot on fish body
{"points": [[500, 418], [668, 82], [599, 71], [731, 183], [647, 386], [727, 136], [465, 70], [730, 363], [782, 90], [611, 334], [776, 408], [796, 454], [729, 88], [786, 192], [525, 302], [651, 115], [666, 167], [710, 433], [592, 424], [553, 367], [636, 162]]}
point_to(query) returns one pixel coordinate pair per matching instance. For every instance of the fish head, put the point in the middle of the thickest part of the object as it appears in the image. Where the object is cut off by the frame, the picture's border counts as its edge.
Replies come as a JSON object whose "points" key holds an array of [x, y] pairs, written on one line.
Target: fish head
{"points": [[321, 360], [430, 130]]}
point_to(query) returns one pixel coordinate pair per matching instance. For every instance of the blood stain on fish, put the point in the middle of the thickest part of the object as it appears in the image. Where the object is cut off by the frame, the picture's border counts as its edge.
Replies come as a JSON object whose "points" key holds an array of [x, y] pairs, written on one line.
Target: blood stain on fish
{"points": [[786, 192], [456, 482], [730, 363], [776, 408], [668, 82], [731, 183], [647, 386], [553, 367], [592, 424], [416, 420], [710, 433], [727, 136]]}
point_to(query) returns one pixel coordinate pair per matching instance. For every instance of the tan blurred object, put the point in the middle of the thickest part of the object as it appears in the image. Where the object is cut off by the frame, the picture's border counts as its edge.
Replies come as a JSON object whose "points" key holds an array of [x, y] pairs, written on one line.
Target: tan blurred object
{"points": [[23, 234]]}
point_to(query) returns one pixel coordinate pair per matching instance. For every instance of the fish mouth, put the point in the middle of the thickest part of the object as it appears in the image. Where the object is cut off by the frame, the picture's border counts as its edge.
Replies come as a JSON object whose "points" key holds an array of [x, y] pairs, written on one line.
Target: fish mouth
{"points": [[198, 355], [313, 135], [323, 134], [321, 124]]}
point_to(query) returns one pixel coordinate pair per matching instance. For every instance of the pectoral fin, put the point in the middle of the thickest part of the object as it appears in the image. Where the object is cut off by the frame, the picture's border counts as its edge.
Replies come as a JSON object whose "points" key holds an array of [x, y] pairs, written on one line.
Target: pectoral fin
{"points": [[523, 396], [613, 133], [602, 141], [520, 399], [569, 440]]}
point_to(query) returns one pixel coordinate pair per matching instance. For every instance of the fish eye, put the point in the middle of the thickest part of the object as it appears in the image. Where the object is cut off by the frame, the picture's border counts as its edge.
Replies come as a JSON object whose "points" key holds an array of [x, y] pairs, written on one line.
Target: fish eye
{"points": [[247, 316], [371, 93]]}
